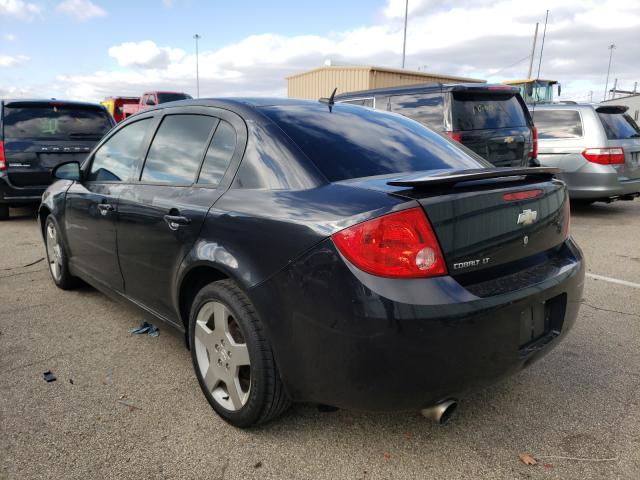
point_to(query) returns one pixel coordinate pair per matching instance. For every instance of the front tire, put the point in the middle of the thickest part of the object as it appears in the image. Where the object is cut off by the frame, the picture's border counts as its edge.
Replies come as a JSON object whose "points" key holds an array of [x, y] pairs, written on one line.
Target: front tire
{"points": [[56, 256], [232, 357]]}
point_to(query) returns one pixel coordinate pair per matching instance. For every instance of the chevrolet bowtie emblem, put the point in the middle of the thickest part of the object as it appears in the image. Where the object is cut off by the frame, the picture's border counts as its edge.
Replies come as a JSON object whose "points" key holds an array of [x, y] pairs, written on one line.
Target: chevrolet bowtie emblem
{"points": [[527, 217], [508, 139]]}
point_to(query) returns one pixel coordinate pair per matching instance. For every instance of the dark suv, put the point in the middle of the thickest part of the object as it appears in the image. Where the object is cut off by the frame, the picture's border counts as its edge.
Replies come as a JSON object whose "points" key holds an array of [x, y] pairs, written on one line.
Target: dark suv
{"points": [[37, 135], [491, 120]]}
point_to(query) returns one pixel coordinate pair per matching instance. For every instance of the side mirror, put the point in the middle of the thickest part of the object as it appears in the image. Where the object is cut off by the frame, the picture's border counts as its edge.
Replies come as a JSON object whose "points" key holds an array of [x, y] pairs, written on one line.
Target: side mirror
{"points": [[151, 102], [559, 89], [67, 171]]}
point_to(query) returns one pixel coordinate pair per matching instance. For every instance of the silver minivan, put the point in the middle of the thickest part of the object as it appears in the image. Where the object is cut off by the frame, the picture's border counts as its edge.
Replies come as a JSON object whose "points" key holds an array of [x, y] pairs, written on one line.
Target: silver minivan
{"points": [[597, 147]]}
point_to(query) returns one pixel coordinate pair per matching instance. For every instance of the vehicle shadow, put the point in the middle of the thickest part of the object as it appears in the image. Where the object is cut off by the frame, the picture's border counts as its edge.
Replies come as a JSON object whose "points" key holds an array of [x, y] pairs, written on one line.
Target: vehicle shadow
{"points": [[23, 213]]}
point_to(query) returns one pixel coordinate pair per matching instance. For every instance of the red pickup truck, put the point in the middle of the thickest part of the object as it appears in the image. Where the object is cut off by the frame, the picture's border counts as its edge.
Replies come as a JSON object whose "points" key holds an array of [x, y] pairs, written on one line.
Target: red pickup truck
{"points": [[149, 99]]}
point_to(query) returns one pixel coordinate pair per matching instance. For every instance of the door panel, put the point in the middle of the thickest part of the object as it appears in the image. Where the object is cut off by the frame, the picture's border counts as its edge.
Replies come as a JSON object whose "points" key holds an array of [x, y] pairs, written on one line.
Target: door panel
{"points": [[150, 249], [90, 225]]}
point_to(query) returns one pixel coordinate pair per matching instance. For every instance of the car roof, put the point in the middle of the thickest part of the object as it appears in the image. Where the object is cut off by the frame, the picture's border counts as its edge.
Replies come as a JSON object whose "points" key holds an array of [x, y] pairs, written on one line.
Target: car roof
{"points": [[431, 87]]}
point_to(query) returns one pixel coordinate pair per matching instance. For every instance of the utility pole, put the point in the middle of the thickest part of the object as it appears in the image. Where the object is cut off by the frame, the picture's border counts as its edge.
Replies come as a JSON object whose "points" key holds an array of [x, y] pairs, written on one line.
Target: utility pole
{"points": [[197, 37], [533, 51], [606, 84], [544, 34], [404, 43], [590, 96], [615, 87]]}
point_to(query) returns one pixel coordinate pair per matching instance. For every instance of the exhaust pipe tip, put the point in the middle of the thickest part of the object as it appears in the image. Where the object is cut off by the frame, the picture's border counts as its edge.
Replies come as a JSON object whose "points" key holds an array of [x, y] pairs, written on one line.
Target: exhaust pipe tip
{"points": [[441, 412]]}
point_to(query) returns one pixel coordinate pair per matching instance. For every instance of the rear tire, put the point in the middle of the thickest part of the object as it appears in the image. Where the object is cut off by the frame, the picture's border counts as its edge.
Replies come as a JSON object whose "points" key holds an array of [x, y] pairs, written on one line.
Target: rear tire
{"points": [[57, 256], [232, 357], [4, 212]]}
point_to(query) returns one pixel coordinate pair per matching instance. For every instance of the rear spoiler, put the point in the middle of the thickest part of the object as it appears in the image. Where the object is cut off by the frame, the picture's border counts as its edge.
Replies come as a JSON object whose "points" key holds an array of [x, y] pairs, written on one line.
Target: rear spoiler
{"points": [[451, 177]]}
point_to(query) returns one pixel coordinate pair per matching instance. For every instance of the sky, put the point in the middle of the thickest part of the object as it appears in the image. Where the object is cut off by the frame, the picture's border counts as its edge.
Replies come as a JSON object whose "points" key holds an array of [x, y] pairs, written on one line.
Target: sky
{"points": [[91, 49]]}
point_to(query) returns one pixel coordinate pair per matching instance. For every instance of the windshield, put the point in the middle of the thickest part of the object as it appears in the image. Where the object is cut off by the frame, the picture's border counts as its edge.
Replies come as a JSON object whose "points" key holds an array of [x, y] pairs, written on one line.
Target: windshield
{"points": [[55, 122], [354, 142], [480, 111], [619, 126], [172, 97]]}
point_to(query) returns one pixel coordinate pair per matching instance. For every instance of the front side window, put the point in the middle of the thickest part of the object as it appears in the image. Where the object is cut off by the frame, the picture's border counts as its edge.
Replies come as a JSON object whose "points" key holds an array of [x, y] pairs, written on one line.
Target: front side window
{"points": [[218, 155], [177, 149], [118, 158], [424, 108], [552, 124]]}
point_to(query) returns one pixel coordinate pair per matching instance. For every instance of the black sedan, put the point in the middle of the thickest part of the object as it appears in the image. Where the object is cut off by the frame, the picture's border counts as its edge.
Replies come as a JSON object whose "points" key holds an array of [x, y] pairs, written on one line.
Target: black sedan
{"points": [[342, 256]]}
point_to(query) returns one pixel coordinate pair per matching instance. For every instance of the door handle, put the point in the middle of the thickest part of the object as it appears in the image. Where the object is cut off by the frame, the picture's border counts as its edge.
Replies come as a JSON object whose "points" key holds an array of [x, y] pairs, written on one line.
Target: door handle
{"points": [[176, 221], [105, 208]]}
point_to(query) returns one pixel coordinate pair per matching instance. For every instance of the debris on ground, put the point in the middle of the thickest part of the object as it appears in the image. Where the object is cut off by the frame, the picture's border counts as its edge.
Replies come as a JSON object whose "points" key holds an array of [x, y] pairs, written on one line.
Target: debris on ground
{"points": [[71, 381], [49, 376], [132, 406], [257, 465], [387, 456], [527, 459], [145, 327]]}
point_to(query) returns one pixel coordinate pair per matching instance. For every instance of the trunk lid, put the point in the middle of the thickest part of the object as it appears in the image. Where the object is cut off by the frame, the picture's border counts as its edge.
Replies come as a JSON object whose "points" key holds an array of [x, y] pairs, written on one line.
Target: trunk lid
{"points": [[505, 147], [491, 217]]}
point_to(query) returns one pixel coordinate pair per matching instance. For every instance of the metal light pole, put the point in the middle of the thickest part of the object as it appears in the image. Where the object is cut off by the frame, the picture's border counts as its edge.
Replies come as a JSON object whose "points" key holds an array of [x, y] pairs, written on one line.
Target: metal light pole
{"points": [[404, 43], [197, 37], [606, 84], [533, 51]]}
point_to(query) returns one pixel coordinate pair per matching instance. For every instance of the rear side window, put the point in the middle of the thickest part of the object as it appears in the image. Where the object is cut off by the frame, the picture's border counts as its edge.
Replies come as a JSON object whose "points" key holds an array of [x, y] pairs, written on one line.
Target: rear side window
{"points": [[118, 158], [553, 124], [55, 122], [354, 142], [177, 149], [619, 126], [218, 155], [480, 111], [424, 108]]}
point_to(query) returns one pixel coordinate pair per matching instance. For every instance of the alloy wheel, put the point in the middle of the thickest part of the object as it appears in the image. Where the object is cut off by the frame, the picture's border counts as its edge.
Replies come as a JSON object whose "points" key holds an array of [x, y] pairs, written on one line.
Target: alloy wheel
{"points": [[54, 252], [222, 355]]}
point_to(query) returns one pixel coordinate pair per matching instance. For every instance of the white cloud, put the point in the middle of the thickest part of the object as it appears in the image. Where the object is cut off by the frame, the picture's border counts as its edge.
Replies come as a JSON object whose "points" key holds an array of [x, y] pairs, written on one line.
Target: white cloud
{"points": [[9, 37], [81, 10], [9, 61], [18, 9], [472, 38], [145, 54]]}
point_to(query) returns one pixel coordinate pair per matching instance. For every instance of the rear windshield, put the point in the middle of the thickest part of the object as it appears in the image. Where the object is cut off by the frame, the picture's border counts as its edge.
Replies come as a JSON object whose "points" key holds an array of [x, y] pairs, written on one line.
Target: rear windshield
{"points": [[619, 126], [480, 111], [55, 122], [553, 124], [172, 97], [354, 142]]}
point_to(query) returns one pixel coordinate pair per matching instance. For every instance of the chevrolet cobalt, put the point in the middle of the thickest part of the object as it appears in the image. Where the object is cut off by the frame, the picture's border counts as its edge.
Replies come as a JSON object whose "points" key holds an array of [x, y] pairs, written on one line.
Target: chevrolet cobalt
{"points": [[322, 253]]}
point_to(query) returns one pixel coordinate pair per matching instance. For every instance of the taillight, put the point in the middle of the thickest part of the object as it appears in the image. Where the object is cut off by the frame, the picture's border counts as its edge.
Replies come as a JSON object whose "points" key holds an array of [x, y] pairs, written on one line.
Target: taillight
{"points": [[604, 156], [3, 160], [534, 148], [566, 226], [457, 136], [400, 245]]}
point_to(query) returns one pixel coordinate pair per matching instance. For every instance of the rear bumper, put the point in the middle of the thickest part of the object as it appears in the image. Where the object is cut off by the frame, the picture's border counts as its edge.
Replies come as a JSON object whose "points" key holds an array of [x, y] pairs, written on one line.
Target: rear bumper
{"points": [[13, 195], [600, 183], [339, 341]]}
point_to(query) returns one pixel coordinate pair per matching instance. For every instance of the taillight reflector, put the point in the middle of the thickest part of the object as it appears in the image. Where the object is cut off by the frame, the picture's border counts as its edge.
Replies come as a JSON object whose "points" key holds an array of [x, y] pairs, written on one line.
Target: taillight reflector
{"points": [[457, 136], [3, 160], [523, 195], [604, 156], [534, 147], [397, 245]]}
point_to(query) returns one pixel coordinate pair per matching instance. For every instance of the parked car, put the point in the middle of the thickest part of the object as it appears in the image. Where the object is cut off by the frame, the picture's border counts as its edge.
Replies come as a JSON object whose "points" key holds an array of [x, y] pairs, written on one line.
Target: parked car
{"points": [[597, 147], [37, 135], [350, 257], [151, 99], [115, 106], [491, 120]]}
